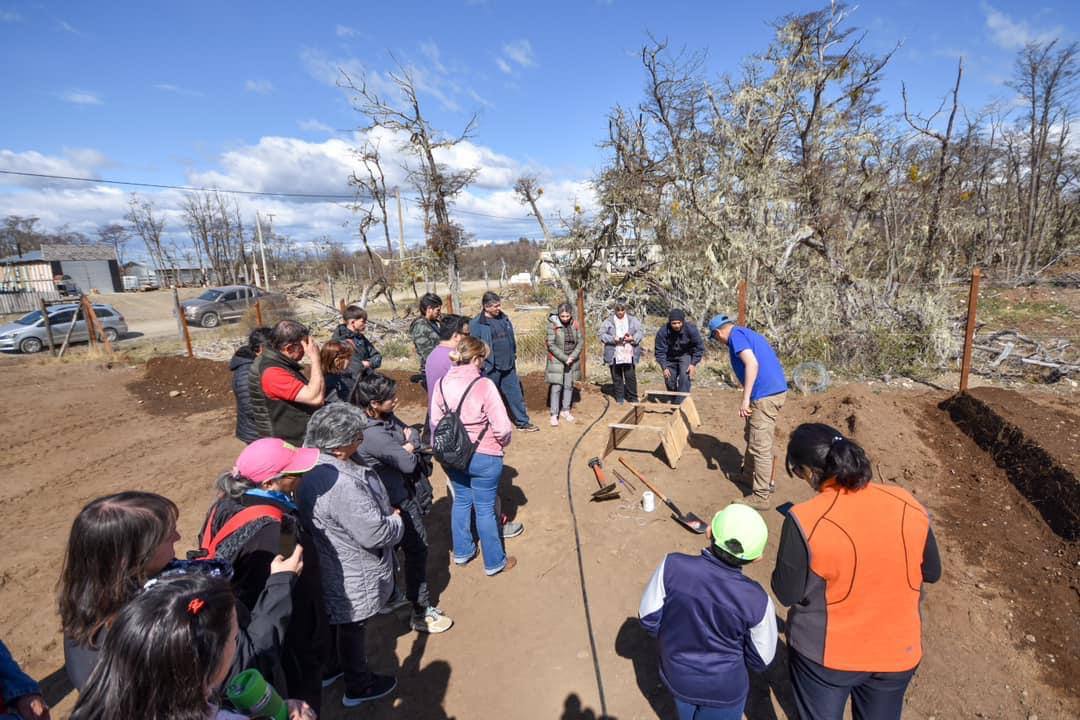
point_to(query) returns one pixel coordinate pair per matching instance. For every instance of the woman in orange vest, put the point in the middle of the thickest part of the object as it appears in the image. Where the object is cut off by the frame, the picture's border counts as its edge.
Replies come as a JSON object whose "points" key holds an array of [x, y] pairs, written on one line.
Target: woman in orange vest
{"points": [[851, 564]]}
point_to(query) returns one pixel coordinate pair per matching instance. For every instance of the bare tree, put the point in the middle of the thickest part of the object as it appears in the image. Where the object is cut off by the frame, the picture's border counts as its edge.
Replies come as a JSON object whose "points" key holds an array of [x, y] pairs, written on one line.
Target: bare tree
{"points": [[117, 235], [403, 115], [148, 225], [527, 188]]}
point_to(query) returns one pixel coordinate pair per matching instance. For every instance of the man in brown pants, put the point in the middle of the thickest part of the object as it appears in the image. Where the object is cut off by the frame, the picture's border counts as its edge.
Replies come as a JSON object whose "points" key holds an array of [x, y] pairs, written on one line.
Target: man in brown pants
{"points": [[764, 392]]}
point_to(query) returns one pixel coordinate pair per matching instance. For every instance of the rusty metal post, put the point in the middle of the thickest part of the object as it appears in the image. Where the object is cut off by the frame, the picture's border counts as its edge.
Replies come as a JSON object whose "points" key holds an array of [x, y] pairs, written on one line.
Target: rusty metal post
{"points": [[584, 335], [969, 331], [742, 303]]}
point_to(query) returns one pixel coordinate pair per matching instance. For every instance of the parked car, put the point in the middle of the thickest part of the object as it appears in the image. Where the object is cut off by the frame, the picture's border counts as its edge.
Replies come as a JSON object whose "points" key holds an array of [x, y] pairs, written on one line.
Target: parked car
{"points": [[228, 302], [28, 334]]}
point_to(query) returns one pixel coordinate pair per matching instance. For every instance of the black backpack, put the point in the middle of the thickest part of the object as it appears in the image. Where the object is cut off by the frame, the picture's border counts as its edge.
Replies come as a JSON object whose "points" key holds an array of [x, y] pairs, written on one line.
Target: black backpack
{"points": [[450, 441]]}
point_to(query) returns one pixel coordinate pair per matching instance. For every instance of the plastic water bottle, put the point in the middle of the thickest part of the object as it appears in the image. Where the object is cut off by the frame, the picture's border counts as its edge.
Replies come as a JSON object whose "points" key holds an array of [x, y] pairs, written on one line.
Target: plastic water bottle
{"points": [[252, 695]]}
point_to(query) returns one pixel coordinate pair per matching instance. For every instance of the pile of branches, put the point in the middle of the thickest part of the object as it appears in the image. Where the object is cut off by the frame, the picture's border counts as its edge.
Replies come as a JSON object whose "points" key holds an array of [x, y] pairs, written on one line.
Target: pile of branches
{"points": [[1007, 352]]}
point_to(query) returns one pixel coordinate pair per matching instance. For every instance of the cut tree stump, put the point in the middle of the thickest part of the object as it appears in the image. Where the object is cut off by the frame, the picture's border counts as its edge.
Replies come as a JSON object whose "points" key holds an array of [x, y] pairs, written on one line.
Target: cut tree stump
{"points": [[672, 429]]}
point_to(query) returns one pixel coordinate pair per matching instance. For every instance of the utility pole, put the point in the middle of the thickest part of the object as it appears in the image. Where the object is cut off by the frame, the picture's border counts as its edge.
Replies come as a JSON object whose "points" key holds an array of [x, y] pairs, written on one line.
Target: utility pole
{"points": [[262, 251], [400, 225]]}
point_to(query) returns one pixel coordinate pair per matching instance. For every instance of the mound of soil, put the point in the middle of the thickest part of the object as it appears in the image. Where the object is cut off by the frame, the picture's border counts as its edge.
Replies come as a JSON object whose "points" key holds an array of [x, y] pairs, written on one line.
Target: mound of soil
{"points": [[178, 385], [1036, 446], [1002, 532]]}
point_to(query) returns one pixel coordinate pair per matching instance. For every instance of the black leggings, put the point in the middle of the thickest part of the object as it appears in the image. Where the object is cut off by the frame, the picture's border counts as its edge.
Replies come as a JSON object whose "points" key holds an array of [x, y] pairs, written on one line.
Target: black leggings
{"points": [[624, 379]]}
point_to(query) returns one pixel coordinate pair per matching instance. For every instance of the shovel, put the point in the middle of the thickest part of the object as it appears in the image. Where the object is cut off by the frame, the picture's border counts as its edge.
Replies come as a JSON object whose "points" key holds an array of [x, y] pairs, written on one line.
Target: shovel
{"points": [[690, 521], [607, 490]]}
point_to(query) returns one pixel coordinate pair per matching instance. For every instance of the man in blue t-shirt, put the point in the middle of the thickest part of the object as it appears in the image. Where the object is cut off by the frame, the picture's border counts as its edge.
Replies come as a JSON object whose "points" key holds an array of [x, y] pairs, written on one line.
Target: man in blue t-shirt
{"points": [[764, 392]]}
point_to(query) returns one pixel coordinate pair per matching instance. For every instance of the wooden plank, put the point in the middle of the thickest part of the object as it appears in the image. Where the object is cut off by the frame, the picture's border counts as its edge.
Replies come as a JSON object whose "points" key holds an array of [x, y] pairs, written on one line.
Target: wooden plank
{"points": [[689, 408], [627, 426]]}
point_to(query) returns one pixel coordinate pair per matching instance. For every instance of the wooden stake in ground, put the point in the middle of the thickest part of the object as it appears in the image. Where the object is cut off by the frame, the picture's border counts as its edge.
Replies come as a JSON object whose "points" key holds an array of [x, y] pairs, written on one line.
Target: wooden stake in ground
{"points": [[91, 335], [93, 323], [742, 303], [449, 304], [584, 335], [258, 312], [181, 322], [48, 325], [969, 330], [67, 335]]}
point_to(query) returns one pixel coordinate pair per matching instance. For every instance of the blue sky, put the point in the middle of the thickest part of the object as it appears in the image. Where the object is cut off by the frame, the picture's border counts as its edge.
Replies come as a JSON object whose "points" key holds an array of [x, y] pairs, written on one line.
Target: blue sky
{"points": [[241, 94]]}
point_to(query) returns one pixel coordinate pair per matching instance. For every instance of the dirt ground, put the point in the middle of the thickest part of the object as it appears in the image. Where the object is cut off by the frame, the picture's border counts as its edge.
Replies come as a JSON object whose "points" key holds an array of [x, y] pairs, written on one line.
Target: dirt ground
{"points": [[1000, 629]]}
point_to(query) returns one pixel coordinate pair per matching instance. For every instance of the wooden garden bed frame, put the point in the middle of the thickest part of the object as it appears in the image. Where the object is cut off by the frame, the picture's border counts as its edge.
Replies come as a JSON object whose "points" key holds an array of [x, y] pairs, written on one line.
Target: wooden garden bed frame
{"points": [[673, 434]]}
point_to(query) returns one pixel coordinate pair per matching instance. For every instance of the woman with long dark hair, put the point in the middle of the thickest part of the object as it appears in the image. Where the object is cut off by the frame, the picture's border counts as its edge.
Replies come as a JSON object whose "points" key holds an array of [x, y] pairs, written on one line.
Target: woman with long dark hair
{"points": [[167, 655], [116, 544], [851, 564]]}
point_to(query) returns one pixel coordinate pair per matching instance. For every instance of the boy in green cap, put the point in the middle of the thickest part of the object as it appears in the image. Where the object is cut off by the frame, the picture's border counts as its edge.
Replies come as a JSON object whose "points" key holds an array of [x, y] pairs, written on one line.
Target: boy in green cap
{"points": [[711, 621]]}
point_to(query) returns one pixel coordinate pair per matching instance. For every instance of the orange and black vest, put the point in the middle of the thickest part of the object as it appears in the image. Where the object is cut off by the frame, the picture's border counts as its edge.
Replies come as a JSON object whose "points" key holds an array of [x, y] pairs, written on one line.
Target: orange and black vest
{"points": [[865, 552]]}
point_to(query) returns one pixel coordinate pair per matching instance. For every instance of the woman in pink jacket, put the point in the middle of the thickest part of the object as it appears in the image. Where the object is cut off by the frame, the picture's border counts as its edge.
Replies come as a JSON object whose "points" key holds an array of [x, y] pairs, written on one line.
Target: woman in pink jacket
{"points": [[475, 490]]}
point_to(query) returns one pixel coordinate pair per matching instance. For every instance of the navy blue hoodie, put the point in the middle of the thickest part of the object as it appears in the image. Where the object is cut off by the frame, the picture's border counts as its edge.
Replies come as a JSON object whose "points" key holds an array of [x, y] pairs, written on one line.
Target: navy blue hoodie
{"points": [[712, 622]]}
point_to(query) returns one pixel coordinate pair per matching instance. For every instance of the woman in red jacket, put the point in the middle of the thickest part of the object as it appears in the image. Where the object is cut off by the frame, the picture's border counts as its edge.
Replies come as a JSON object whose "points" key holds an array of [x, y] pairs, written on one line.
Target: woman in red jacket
{"points": [[851, 565]]}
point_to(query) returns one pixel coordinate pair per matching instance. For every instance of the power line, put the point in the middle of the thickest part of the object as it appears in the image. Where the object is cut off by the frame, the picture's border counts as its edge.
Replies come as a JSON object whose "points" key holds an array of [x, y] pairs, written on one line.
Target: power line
{"points": [[257, 193]]}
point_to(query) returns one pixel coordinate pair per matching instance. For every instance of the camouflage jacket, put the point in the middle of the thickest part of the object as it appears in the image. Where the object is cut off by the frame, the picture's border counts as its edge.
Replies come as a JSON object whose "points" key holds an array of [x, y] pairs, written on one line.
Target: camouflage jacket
{"points": [[425, 337]]}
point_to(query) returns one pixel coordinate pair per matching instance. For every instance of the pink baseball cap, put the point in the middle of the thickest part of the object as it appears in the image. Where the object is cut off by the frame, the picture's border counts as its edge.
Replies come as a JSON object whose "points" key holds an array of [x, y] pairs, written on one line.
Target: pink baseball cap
{"points": [[270, 457]]}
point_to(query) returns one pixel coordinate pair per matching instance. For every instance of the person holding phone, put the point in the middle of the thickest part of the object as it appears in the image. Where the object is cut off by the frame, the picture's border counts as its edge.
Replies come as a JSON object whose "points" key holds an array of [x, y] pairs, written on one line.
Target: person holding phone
{"points": [[622, 334], [255, 520]]}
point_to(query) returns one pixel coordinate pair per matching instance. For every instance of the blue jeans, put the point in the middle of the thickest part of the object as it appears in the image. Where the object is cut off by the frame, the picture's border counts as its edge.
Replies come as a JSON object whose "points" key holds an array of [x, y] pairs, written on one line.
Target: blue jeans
{"points": [[701, 712], [510, 388], [475, 492], [680, 375], [821, 693]]}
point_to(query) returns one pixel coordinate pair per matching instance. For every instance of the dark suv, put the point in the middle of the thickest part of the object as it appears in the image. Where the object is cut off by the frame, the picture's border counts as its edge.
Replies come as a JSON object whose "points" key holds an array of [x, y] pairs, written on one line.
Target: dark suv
{"points": [[228, 302]]}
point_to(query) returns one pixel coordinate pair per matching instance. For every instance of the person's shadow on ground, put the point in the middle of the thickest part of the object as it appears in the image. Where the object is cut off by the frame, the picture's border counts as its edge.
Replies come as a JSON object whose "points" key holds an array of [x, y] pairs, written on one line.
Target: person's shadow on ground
{"points": [[573, 710], [633, 643], [718, 455], [511, 496]]}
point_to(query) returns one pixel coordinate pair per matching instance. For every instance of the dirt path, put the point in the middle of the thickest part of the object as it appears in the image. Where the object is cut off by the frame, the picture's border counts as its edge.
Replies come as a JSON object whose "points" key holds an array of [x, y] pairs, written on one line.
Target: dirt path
{"points": [[520, 648]]}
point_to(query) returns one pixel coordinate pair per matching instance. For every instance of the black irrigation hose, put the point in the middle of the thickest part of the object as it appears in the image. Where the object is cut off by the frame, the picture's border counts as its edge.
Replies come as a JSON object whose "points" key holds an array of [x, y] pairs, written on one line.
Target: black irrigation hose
{"points": [[581, 563]]}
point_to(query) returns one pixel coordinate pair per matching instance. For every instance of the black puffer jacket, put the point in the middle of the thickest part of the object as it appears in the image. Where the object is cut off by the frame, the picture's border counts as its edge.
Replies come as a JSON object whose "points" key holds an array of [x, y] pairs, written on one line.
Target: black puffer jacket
{"points": [[245, 420]]}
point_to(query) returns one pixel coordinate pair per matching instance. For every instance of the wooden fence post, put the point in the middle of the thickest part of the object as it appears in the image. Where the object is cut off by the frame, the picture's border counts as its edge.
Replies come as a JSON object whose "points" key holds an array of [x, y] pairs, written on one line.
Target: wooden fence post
{"points": [[742, 303], [258, 312], [584, 335], [181, 322], [67, 335], [969, 330], [449, 303], [90, 330], [342, 305], [48, 325], [94, 323]]}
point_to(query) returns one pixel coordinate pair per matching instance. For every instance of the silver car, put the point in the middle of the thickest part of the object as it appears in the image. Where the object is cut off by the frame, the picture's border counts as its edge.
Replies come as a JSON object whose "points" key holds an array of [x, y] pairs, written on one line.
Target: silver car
{"points": [[28, 335], [229, 302]]}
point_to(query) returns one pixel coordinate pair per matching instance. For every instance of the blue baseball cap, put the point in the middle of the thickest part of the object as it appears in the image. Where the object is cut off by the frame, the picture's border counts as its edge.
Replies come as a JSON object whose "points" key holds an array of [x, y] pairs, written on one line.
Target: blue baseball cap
{"points": [[718, 321]]}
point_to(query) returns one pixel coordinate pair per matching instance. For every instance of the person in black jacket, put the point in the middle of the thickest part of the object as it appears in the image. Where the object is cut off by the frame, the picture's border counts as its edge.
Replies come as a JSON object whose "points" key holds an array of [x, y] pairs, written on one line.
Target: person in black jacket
{"points": [[390, 448], [365, 358], [254, 521], [679, 349], [240, 365]]}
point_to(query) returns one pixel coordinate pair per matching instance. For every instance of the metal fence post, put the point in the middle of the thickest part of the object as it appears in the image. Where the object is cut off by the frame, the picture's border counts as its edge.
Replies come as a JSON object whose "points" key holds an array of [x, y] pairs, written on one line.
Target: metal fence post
{"points": [[969, 331]]}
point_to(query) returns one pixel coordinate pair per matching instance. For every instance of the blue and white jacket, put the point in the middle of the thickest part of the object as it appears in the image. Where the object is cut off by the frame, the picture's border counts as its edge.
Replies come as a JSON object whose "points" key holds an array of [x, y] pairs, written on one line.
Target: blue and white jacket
{"points": [[712, 622]]}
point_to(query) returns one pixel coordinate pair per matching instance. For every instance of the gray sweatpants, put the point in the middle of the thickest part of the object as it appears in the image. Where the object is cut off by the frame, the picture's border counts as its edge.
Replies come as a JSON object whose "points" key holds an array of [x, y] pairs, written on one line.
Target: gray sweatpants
{"points": [[567, 392]]}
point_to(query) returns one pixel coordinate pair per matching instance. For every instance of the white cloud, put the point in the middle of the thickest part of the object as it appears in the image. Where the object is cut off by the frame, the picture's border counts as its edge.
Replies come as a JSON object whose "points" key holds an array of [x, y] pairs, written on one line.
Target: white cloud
{"points": [[10, 16], [313, 125], [81, 97], [442, 88], [344, 31], [176, 89], [293, 165], [1014, 34], [521, 52], [260, 87], [74, 162], [431, 51], [504, 66], [68, 27]]}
